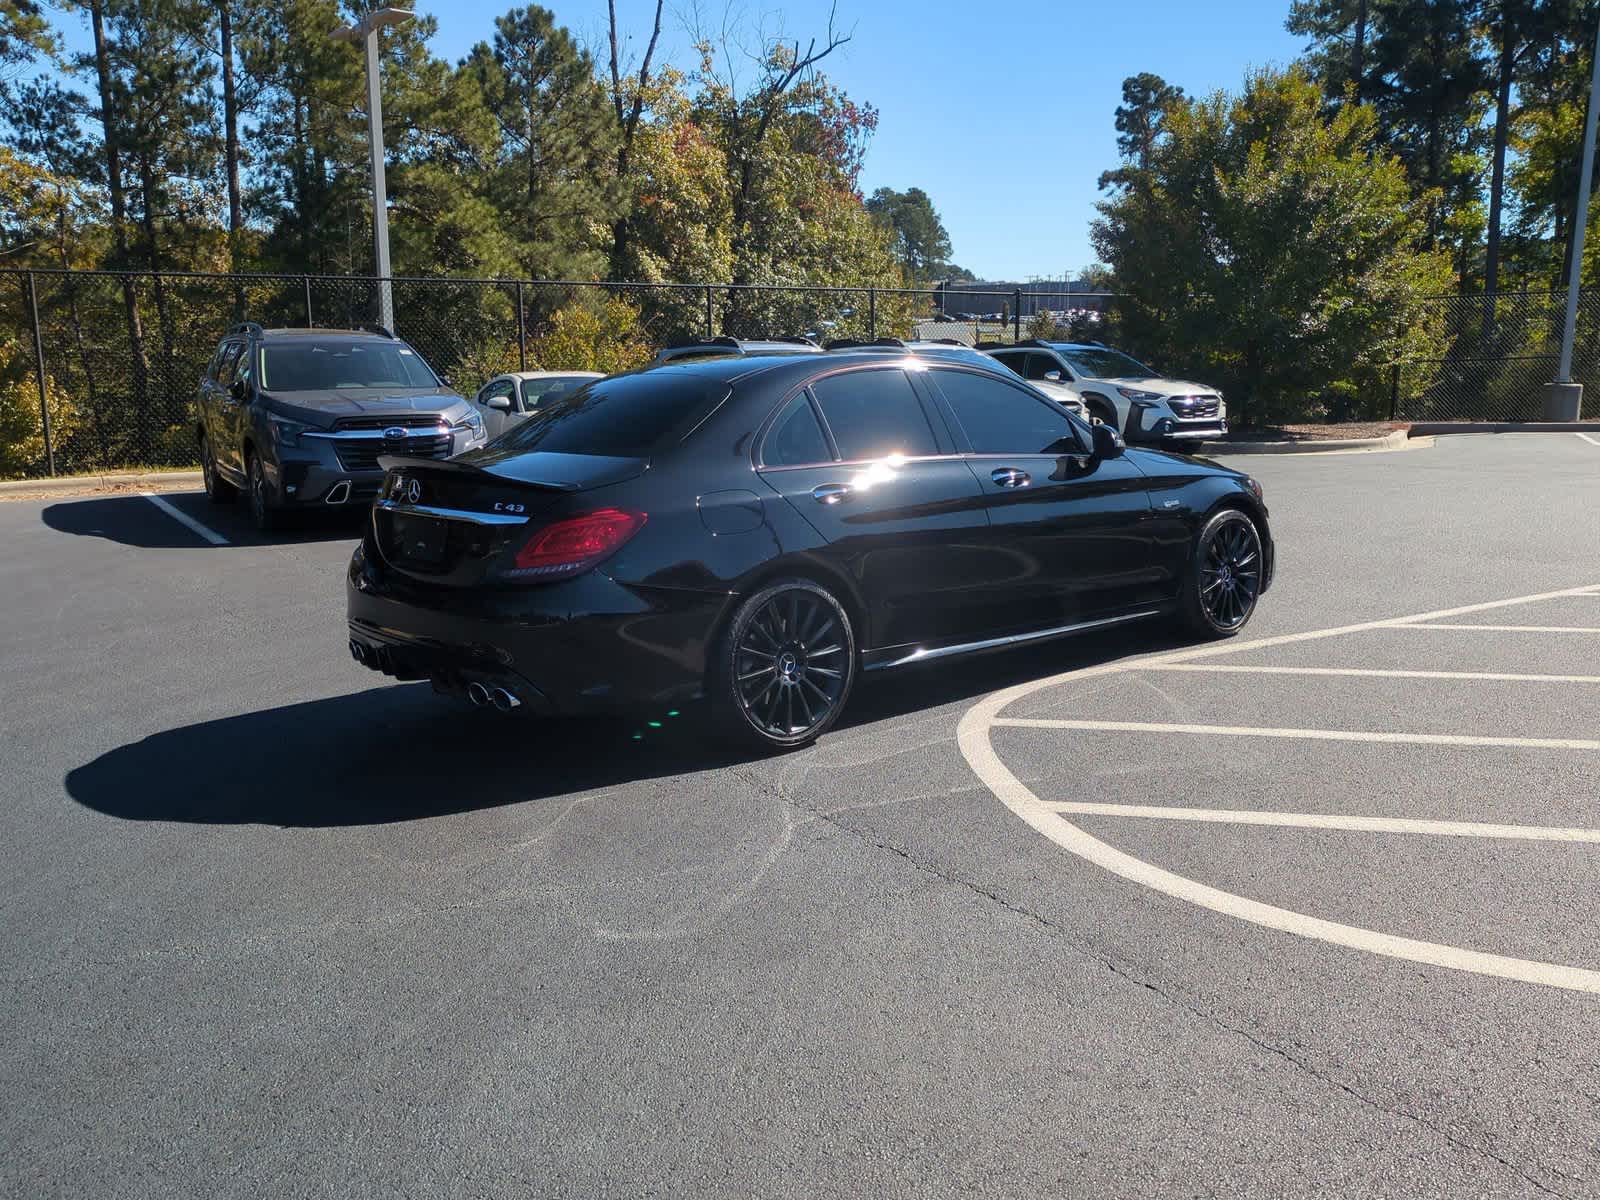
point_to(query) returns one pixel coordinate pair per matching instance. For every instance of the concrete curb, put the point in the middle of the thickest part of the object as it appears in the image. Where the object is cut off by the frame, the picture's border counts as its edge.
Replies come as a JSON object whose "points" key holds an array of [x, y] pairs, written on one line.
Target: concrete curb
{"points": [[75, 483], [1398, 440], [1430, 428]]}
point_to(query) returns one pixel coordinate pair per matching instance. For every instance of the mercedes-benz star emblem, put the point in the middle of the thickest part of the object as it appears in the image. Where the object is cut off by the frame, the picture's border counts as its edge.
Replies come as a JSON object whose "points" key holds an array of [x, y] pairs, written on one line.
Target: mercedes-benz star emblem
{"points": [[394, 433], [412, 490]]}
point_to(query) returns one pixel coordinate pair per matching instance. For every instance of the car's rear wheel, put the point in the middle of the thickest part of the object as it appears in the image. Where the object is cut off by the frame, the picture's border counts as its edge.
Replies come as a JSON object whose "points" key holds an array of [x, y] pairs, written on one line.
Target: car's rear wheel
{"points": [[785, 666], [1224, 578], [218, 489], [263, 506]]}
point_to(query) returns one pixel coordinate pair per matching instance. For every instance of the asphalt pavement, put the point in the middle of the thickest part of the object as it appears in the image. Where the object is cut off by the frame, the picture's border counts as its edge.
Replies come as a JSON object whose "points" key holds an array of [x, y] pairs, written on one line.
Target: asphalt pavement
{"points": [[1312, 912]]}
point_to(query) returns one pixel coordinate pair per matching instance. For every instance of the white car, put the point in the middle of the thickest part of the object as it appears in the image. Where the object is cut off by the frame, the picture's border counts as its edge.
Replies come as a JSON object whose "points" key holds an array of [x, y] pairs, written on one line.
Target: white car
{"points": [[1119, 391], [510, 399]]}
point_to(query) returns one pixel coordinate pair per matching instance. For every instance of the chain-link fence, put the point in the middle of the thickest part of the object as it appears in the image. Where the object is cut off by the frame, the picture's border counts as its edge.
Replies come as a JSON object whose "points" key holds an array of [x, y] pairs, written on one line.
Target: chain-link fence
{"points": [[99, 370], [1501, 352]]}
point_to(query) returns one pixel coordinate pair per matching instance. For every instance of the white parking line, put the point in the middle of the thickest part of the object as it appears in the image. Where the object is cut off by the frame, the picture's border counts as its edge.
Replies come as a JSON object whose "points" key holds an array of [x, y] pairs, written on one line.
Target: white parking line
{"points": [[1316, 735], [184, 519], [1588, 439], [972, 736], [1230, 816], [1508, 628], [1367, 672]]}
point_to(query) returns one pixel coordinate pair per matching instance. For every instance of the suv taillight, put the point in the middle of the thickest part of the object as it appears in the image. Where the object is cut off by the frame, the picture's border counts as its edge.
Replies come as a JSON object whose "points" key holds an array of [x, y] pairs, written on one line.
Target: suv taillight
{"points": [[572, 546]]}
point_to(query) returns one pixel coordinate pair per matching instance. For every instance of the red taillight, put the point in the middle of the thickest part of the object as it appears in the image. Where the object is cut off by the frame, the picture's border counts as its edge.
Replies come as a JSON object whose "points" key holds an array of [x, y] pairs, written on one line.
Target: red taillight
{"points": [[572, 546]]}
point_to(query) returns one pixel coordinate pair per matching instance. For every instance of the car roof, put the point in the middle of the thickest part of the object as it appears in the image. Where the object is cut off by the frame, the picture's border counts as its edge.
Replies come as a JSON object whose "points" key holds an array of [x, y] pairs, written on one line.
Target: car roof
{"points": [[551, 375], [287, 335], [730, 346]]}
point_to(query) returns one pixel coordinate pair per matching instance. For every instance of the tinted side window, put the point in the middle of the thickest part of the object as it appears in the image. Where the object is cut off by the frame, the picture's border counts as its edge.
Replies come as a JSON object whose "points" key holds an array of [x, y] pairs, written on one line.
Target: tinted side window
{"points": [[500, 387], [1012, 362], [1039, 364], [230, 360], [874, 413], [795, 439], [999, 418]]}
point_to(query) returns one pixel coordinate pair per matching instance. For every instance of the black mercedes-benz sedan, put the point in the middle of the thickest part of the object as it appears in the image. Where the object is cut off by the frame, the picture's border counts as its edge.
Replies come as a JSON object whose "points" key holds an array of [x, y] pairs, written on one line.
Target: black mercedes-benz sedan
{"points": [[758, 531]]}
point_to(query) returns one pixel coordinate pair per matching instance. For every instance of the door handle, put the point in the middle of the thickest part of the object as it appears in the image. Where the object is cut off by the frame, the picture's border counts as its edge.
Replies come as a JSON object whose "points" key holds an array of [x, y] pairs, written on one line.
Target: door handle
{"points": [[1010, 477], [830, 493]]}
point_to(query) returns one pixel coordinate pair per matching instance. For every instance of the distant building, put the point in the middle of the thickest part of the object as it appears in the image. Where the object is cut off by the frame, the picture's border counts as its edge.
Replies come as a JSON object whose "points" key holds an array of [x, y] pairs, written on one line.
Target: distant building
{"points": [[988, 296]]}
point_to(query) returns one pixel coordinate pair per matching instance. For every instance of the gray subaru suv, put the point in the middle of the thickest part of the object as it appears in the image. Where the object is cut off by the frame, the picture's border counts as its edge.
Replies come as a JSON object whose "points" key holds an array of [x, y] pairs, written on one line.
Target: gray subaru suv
{"points": [[298, 418]]}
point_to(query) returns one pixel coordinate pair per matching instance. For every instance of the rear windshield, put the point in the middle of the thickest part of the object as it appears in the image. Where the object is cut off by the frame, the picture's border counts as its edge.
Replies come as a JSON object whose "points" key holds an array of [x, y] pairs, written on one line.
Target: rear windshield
{"points": [[626, 416], [307, 365]]}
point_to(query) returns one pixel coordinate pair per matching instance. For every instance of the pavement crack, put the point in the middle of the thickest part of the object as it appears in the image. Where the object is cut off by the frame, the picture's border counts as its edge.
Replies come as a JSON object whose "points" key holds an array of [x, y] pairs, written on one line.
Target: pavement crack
{"points": [[1058, 932]]}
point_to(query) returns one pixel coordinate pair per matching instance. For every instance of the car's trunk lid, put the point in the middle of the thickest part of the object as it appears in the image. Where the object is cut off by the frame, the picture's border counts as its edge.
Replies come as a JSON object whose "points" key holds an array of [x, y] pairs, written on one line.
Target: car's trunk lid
{"points": [[456, 522]]}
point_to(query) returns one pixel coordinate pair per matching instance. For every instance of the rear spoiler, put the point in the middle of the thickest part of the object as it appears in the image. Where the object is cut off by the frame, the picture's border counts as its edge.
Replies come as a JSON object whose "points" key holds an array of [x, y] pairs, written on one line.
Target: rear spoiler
{"points": [[548, 470]]}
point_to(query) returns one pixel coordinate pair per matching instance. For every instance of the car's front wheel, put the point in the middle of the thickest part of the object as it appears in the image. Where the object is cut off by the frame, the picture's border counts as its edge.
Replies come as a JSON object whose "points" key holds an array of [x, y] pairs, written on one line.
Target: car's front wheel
{"points": [[218, 489], [263, 507], [1224, 577], [785, 666]]}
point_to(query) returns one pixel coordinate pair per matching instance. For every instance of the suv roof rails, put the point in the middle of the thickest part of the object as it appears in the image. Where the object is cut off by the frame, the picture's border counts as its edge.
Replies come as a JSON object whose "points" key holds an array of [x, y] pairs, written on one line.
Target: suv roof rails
{"points": [[993, 345], [946, 342], [246, 327], [792, 341], [723, 340]]}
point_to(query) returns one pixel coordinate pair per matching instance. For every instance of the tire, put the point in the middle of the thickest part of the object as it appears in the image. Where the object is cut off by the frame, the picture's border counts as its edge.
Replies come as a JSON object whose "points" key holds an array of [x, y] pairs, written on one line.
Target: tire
{"points": [[1223, 582], [218, 489], [264, 513], [785, 667]]}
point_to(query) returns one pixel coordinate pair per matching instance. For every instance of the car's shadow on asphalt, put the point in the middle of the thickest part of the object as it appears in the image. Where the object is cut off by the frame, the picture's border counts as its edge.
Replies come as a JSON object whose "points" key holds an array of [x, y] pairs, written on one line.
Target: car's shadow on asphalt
{"points": [[402, 753], [132, 520]]}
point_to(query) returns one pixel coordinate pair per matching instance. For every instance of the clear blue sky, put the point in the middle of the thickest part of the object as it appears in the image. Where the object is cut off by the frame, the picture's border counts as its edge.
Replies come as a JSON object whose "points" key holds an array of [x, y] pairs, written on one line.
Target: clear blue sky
{"points": [[1015, 179]]}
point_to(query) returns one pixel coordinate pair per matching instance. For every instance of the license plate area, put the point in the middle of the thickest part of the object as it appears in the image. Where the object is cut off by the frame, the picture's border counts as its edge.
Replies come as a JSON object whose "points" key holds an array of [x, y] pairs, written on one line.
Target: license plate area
{"points": [[423, 543]]}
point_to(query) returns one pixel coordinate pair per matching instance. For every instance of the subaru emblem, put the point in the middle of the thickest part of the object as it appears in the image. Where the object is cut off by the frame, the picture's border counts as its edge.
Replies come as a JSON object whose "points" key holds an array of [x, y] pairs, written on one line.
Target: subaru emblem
{"points": [[394, 433]]}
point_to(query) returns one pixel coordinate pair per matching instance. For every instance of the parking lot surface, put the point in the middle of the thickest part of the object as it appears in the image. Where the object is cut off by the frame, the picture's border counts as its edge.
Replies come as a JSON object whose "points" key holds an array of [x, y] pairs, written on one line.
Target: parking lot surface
{"points": [[1311, 912]]}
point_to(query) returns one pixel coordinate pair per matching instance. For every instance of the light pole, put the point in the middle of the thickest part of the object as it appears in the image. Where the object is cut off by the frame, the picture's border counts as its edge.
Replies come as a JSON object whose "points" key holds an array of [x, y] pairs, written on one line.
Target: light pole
{"points": [[367, 30], [1564, 399]]}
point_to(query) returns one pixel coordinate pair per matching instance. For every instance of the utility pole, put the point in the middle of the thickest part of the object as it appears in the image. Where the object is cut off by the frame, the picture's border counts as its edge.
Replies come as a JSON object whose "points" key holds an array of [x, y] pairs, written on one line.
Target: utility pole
{"points": [[366, 30], [1564, 397]]}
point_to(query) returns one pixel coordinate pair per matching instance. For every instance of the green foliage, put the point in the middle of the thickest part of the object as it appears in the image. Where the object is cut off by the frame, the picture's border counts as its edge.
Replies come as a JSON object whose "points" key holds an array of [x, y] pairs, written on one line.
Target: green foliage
{"points": [[1042, 326], [22, 450], [593, 335], [920, 241], [1272, 248]]}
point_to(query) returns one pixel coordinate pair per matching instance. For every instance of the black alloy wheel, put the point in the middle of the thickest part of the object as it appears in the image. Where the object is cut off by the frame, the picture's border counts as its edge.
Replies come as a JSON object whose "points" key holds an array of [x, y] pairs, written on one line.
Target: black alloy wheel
{"points": [[262, 510], [218, 490], [788, 663], [1225, 575]]}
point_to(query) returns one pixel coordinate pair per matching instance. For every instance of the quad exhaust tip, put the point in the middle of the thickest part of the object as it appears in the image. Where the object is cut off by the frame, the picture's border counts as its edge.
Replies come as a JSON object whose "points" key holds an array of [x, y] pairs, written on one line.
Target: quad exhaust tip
{"points": [[504, 700], [477, 694], [358, 652], [338, 493]]}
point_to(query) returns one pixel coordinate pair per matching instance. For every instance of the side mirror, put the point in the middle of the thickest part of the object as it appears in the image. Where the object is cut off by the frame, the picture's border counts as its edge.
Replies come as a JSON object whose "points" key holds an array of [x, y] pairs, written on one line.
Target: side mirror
{"points": [[1107, 442], [502, 403], [237, 390], [1052, 376]]}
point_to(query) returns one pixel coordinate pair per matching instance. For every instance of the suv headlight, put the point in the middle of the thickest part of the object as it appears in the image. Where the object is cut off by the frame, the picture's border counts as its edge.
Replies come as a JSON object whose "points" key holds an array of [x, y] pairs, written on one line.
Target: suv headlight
{"points": [[1136, 394], [471, 422], [284, 431]]}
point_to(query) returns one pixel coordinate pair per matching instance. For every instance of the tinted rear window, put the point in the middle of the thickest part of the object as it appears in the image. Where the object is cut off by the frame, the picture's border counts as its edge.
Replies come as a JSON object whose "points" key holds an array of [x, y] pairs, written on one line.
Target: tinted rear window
{"points": [[626, 416]]}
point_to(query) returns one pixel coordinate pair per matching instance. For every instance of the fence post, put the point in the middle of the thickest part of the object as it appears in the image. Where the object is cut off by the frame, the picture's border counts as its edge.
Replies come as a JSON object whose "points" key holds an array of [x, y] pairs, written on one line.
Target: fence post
{"points": [[305, 281], [1394, 389], [872, 312], [522, 331], [710, 332], [38, 367], [1016, 315]]}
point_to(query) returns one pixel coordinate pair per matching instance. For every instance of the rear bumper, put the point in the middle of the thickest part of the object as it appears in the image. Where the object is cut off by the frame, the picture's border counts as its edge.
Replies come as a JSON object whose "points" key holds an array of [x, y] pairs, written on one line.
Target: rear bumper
{"points": [[586, 645]]}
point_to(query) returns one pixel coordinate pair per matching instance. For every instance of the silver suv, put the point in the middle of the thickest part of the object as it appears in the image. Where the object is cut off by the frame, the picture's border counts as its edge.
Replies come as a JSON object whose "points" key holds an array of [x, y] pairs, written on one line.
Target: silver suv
{"points": [[1119, 391]]}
